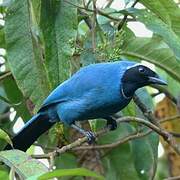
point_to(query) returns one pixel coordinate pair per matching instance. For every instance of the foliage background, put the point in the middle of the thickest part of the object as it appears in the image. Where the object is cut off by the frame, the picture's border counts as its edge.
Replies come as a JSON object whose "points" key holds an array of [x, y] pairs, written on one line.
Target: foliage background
{"points": [[44, 42]]}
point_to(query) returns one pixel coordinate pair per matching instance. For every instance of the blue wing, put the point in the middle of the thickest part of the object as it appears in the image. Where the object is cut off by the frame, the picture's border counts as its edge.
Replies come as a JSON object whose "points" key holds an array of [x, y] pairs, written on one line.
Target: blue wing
{"points": [[102, 80]]}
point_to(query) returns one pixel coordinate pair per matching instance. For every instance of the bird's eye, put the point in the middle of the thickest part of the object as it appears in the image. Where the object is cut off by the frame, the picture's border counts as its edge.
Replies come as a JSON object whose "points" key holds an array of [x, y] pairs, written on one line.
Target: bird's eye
{"points": [[141, 70]]}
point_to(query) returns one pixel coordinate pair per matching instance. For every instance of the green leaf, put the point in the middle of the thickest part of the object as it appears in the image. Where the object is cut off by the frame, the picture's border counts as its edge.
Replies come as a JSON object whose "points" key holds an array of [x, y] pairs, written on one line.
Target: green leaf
{"points": [[24, 53], [173, 85], [153, 50], [4, 174], [70, 172], [145, 158], [138, 156], [15, 97], [62, 162], [5, 136], [2, 98], [167, 10], [118, 162], [145, 148], [156, 25], [23, 164], [58, 24], [2, 38], [159, 8]]}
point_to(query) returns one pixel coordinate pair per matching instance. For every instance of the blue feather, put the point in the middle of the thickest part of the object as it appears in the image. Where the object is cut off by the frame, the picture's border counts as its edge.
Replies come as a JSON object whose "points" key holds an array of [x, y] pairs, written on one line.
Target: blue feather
{"points": [[92, 92]]}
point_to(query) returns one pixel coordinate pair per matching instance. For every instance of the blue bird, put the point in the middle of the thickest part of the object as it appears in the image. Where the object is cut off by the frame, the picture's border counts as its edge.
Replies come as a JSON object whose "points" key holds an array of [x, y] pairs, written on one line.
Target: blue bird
{"points": [[95, 91]]}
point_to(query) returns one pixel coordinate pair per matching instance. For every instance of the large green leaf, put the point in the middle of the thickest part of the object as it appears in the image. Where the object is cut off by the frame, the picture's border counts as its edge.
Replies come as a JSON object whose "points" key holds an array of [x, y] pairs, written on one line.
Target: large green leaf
{"points": [[118, 162], [159, 27], [146, 147], [58, 24], [173, 85], [145, 156], [157, 7], [23, 164], [167, 10], [71, 172], [153, 51], [24, 53], [15, 97]]}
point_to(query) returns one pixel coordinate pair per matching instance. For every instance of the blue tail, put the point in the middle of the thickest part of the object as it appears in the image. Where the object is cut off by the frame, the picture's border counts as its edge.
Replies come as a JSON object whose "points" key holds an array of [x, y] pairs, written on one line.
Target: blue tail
{"points": [[36, 126]]}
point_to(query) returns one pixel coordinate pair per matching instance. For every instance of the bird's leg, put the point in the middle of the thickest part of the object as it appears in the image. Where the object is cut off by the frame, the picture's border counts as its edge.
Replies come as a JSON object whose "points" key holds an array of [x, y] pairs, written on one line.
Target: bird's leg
{"points": [[90, 135], [111, 123]]}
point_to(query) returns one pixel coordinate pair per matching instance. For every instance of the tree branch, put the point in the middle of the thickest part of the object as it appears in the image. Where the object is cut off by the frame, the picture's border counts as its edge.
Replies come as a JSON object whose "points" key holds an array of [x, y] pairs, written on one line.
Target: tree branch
{"points": [[146, 112], [115, 144], [173, 178], [123, 21], [98, 11], [166, 135], [93, 30], [5, 75], [172, 118]]}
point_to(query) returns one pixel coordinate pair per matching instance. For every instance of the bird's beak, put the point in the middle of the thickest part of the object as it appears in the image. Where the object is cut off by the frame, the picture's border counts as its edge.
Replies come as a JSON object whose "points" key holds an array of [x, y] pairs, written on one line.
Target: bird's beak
{"points": [[157, 80]]}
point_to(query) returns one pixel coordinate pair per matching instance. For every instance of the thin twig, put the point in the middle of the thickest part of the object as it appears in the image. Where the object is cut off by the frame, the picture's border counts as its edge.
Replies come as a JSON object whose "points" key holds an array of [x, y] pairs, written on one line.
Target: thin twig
{"points": [[166, 135], [98, 11], [115, 144], [93, 30], [109, 3], [175, 134], [146, 112], [69, 146], [173, 178], [172, 118], [86, 18], [123, 21], [5, 75]]}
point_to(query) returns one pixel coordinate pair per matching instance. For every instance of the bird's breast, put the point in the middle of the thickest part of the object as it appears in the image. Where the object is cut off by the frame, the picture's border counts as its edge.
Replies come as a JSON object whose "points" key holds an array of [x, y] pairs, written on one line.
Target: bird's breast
{"points": [[104, 110]]}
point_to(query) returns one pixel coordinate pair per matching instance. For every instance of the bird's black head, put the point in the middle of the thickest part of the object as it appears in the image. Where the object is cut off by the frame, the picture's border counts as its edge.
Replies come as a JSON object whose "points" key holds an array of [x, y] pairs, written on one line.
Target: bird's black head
{"points": [[138, 76]]}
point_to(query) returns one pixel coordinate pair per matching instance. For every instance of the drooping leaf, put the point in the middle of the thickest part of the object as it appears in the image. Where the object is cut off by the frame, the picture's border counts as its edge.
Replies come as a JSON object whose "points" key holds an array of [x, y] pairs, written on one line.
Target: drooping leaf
{"points": [[145, 156], [159, 8], [24, 53], [118, 162], [16, 97], [167, 10], [153, 51], [58, 24], [71, 172], [23, 164], [156, 25], [173, 85], [62, 162]]}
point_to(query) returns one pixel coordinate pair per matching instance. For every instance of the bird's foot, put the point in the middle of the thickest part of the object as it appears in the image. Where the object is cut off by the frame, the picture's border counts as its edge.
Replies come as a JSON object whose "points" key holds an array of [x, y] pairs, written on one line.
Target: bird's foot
{"points": [[112, 125], [90, 136]]}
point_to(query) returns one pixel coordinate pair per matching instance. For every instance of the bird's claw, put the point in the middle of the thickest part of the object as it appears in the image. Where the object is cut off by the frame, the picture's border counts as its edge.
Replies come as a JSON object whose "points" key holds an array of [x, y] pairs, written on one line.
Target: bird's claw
{"points": [[90, 136], [112, 125]]}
